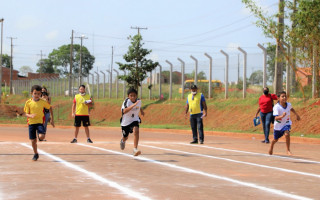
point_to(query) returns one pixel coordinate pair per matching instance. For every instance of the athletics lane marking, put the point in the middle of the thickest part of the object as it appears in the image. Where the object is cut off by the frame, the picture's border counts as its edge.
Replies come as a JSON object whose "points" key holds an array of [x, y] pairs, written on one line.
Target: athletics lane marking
{"points": [[236, 161], [93, 175], [185, 169]]}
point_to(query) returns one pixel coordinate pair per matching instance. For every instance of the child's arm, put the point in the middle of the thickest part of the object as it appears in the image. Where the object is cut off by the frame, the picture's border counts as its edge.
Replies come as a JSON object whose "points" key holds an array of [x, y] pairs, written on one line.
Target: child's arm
{"points": [[130, 107], [30, 115], [73, 110], [281, 116], [292, 110], [142, 112]]}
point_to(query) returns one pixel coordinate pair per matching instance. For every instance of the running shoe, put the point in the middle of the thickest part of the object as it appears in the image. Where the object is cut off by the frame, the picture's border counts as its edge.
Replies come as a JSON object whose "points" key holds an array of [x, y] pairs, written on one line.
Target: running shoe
{"points": [[74, 141], [35, 157], [136, 152], [89, 140], [122, 144]]}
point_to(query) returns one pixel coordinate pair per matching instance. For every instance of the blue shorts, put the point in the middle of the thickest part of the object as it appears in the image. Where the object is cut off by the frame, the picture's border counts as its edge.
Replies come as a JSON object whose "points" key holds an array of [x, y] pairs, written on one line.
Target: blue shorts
{"points": [[33, 129], [279, 133]]}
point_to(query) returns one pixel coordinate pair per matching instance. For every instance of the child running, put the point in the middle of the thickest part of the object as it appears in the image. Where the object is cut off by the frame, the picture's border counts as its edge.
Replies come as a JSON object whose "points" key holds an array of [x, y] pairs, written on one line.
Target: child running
{"points": [[34, 111], [282, 123], [130, 120], [80, 113], [48, 114]]}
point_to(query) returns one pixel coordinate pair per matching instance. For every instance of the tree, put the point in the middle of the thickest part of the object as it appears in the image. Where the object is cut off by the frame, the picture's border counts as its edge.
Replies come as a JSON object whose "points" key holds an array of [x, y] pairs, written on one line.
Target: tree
{"points": [[60, 59], [45, 66], [24, 70], [256, 77], [200, 76], [6, 60], [137, 65]]}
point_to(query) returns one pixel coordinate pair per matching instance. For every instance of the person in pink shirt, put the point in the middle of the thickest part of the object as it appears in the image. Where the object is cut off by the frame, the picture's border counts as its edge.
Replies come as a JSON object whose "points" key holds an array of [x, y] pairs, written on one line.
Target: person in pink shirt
{"points": [[266, 112]]}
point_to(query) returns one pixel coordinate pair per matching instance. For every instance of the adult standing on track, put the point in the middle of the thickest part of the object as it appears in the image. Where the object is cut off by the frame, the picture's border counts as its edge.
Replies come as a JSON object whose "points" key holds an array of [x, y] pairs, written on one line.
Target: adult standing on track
{"points": [[266, 112], [196, 105]]}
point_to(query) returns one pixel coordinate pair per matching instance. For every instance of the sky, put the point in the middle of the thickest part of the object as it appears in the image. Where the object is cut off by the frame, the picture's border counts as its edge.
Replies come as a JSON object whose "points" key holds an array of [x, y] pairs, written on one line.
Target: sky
{"points": [[175, 29]]}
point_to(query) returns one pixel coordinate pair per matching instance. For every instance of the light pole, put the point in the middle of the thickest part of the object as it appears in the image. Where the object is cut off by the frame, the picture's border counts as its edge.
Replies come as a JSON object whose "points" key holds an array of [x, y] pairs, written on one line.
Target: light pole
{"points": [[117, 85], [264, 65], [195, 70], [244, 71], [124, 85], [170, 88], [210, 74], [226, 73], [182, 77], [80, 70], [1, 20]]}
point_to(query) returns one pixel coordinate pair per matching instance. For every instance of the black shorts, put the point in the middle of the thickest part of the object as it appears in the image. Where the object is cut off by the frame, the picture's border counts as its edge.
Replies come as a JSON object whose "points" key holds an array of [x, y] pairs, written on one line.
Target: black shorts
{"points": [[84, 119], [129, 129], [34, 128]]}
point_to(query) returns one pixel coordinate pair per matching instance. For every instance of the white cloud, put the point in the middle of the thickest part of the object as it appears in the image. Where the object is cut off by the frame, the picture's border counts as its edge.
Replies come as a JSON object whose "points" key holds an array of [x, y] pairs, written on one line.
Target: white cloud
{"points": [[27, 22], [52, 35]]}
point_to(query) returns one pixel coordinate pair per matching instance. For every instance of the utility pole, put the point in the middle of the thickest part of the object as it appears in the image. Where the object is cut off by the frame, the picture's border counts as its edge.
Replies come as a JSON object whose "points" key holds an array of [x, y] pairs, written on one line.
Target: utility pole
{"points": [[278, 87], [11, 65], [1, 20], [41, 62], [80, 69], [71, 64], [139, 29]]}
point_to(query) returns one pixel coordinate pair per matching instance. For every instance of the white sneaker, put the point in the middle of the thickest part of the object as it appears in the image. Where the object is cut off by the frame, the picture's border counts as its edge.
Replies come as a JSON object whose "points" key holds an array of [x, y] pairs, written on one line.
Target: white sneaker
{"points": [[136, 152], [122, 144]]}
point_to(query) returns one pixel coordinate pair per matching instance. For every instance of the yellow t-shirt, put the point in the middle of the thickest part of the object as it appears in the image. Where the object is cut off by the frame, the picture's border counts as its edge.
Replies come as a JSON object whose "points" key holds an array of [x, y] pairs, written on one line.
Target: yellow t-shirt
{"points": [[36, 107], [195, 106], [82, 109]]}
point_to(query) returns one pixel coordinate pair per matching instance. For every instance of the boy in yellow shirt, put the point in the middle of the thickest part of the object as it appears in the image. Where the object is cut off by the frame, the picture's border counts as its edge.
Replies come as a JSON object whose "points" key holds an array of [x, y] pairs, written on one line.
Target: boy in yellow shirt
{"points": [[34, 111], [80, 112]]}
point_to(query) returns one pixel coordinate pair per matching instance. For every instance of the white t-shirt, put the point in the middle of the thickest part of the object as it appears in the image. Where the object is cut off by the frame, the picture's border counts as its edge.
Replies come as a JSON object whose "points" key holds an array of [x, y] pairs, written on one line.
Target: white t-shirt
{"points": [[278, 110], [132, 115]]}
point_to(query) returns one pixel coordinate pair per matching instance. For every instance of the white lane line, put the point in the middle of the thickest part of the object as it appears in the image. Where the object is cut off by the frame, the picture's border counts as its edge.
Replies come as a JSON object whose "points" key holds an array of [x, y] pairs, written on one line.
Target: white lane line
{"points": [[236, 161], [185, 169], [93, 175], [253, 153]]}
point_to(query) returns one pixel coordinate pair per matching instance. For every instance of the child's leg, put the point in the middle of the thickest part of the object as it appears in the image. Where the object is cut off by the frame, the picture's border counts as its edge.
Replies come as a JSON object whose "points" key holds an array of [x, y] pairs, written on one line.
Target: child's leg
{"points": [[287, 135], [76, 132], [136, 136], [271, 146], [86, 128], [34, 145]]}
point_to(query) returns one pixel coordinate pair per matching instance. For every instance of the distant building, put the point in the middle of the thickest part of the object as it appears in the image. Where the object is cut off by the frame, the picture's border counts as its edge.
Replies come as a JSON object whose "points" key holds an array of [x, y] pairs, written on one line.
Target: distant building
{"points": [[16, 76]]}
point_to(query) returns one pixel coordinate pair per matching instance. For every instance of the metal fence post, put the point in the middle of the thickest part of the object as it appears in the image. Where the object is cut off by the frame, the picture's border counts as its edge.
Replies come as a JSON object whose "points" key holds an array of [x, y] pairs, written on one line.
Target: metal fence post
{"points": [[160, 70], [182, 78], [104, 84], [97, 84], [210, 75], [244, 71], [109, 83], [170, 87], [226, 73], [195, 70], [117, 83]]}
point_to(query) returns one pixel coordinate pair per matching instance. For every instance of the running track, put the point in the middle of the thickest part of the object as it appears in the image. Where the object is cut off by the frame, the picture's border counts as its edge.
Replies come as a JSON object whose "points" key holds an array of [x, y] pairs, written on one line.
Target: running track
{"points": [[169, 167]]}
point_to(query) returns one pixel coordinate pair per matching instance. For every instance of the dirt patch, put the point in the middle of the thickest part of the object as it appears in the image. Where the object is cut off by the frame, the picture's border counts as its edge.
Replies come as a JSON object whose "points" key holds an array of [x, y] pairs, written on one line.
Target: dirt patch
{"points": [[9, 111]]}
